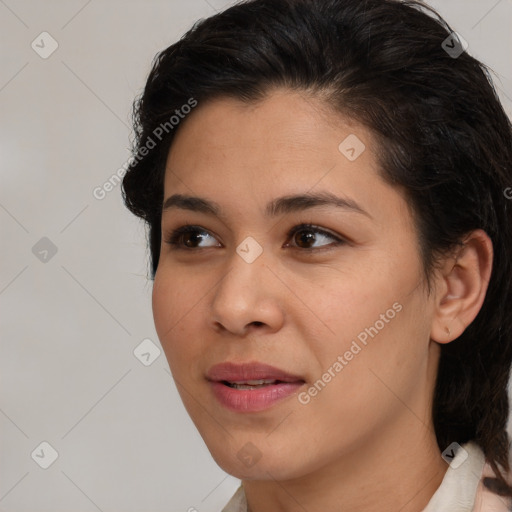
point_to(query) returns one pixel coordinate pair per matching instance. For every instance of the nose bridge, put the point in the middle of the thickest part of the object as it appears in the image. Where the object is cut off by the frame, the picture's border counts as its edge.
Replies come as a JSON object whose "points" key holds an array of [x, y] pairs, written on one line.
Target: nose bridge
{"points": [[245, 294], [247, 265]]}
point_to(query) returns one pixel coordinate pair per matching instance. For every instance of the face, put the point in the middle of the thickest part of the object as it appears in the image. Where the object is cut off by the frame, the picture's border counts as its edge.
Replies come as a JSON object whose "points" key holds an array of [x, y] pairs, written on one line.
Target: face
{"points": [[287, 320]]}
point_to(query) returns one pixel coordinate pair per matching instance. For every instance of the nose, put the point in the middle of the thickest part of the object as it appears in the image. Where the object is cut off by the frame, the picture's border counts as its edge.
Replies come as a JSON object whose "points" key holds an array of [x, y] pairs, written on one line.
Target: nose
{"points": [[248, 298]]}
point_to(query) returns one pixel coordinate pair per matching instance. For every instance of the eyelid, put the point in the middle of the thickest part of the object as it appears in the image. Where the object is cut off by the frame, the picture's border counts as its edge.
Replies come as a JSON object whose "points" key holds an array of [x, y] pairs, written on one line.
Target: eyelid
{"points": [[172, 238], [174, 235], [313, 227]]}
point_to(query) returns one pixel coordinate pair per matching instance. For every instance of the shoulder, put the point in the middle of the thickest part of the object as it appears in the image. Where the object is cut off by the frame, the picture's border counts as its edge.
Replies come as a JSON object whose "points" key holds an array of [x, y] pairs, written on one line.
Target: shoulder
{"points": [[487, 500]]}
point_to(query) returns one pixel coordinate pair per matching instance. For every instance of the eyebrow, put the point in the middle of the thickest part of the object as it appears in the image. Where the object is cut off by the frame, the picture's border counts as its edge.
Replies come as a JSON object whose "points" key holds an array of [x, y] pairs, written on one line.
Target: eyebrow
{"points": [[278, 206]]}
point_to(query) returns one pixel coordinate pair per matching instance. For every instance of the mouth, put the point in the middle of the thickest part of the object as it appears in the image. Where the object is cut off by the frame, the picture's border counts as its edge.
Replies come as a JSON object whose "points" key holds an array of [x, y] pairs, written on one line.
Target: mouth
{"points": [[251, 374], [252, 384], [251, 387]]}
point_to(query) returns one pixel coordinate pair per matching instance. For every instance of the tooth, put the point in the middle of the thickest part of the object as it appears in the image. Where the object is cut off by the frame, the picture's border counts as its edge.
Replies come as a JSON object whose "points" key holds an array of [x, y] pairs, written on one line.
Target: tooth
{"points": [[252, 384], [243, 386], [258, 382]]}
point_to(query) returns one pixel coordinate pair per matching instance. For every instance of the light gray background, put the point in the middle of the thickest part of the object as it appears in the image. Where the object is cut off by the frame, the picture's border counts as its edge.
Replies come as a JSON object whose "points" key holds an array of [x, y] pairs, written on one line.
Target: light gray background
{"points": [[69, 326]]}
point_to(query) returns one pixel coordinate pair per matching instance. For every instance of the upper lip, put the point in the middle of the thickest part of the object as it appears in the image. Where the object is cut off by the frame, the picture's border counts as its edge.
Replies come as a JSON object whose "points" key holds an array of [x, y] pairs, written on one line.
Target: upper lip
{"points": [[243, 372]]}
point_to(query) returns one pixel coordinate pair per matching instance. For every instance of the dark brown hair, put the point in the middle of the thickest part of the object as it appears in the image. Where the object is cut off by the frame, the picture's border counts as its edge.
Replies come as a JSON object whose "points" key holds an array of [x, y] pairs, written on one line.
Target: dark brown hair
{"points": [[443, 137]]}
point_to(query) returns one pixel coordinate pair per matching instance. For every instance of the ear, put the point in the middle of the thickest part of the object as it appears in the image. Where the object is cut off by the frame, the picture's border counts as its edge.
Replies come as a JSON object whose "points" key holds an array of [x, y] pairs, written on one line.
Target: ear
{"points": [[461, 287]]}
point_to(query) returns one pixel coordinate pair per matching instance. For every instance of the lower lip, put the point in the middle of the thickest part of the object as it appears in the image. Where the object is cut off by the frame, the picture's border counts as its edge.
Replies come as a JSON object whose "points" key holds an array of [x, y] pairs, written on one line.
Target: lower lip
{"points": [[253, 400]]}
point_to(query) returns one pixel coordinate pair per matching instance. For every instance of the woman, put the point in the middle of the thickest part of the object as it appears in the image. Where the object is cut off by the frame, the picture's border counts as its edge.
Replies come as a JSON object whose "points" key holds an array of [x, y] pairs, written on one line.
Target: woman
{"points": [[325, 188]]}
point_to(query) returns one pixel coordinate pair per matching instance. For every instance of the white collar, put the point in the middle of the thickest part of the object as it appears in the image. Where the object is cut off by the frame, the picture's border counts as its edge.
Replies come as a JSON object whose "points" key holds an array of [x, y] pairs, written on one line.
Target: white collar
{"points": [[458, 489]]}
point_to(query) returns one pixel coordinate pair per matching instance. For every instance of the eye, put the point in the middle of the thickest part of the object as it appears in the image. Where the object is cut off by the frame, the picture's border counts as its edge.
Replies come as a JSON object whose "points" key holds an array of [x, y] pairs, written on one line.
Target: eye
{"points": [[303, 236], [186, 237], [308, 234]]}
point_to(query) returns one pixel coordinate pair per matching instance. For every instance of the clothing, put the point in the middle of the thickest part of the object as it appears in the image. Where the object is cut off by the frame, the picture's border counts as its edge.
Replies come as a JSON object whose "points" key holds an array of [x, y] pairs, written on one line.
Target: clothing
{"points": [[461, 490]]}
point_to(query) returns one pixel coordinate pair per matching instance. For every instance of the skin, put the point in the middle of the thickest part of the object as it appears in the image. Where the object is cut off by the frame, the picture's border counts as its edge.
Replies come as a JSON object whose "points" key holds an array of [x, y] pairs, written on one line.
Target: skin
{"points": [[366, 441]]}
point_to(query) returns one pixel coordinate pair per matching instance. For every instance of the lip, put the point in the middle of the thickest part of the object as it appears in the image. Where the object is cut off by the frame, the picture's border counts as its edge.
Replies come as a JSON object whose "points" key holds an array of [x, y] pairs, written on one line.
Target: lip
{"points": [[240, 372], [251, 400]]}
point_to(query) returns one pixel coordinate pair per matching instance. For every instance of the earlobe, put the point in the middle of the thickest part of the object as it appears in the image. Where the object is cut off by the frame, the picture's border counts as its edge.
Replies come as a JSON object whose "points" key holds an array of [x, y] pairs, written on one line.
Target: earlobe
{"points": [[462, 286]]}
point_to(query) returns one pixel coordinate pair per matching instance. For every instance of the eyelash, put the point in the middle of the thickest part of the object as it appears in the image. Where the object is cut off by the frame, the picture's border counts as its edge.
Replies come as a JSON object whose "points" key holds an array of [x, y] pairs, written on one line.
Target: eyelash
{"points": [[174, 238]]}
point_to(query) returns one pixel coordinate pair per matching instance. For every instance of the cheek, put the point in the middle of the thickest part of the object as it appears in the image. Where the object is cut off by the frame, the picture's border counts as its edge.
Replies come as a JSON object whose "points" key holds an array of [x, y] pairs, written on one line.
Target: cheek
{"points": [[357, 303], [373, 315], [163, 305], [173, 297], [382, 336], [173, 306]]}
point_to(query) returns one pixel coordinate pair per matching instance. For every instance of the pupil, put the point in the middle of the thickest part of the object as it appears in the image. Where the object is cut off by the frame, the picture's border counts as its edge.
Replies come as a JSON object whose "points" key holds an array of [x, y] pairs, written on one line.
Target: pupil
{"points": [[307, 236], [190, 236]]}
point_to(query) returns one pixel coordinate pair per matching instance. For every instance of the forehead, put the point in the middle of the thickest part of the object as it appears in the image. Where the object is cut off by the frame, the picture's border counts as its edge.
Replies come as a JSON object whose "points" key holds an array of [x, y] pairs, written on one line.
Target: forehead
{"points": [[282, 119], [286, 144], [285, 128]]}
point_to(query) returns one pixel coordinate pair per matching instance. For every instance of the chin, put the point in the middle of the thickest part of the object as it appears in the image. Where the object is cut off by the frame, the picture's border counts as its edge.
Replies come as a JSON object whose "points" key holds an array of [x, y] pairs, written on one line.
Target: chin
{"points": [[248, 463]]}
